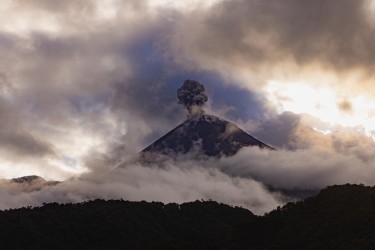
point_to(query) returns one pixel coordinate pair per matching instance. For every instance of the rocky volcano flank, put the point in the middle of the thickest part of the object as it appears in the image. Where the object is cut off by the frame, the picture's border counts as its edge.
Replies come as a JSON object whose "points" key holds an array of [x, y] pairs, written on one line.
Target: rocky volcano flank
{"points": [[202, 133], [207, 133]]}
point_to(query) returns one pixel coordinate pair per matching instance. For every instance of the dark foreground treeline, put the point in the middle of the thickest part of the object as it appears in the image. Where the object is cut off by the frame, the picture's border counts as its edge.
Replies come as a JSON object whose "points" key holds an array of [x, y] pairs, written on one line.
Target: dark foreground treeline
{"points": [[339, 217]]}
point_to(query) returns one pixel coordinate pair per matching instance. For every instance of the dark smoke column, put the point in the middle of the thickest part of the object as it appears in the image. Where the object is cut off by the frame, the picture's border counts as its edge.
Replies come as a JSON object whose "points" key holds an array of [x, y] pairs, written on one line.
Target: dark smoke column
{"points": [[192, 95]]}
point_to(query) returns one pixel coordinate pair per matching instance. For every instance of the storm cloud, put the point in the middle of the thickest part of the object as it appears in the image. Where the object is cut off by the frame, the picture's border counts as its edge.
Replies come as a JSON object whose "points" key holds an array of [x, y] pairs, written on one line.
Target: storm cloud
{"points": [[258, 33]]}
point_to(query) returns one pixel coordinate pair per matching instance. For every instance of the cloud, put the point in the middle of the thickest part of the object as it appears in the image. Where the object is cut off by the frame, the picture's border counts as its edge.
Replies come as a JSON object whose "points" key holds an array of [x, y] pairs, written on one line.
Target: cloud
{"points": [[338, 34], [24, 144], [136, 182], [343, 158], [277, 129], [345, 106], [57, 83], [237, 180], [15, 139], [343, 141], [85, 79]]}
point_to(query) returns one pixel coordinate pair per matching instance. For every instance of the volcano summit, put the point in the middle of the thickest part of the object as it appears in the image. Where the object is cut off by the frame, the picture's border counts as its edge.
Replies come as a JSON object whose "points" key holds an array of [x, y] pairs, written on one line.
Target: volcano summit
{"points": [[205, 134]]}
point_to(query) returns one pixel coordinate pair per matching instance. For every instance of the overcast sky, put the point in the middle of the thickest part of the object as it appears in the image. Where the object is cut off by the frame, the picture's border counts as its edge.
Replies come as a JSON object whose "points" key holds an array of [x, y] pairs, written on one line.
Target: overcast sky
{"points": [[85, 84]]}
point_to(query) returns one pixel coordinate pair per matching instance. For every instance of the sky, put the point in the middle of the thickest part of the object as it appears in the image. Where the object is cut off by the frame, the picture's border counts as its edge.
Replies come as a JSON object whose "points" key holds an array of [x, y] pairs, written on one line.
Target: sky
{"points": [[85, 85]]}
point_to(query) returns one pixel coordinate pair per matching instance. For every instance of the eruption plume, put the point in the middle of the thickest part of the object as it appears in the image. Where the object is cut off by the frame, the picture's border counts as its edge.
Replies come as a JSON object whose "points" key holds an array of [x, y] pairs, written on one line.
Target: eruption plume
{"points": [[192, 95]]}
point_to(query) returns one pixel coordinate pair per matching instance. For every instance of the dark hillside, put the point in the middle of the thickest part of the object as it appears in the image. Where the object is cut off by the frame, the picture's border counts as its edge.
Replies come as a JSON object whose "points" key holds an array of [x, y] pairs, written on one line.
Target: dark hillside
{"points": [[121, 225], [339, 217]]}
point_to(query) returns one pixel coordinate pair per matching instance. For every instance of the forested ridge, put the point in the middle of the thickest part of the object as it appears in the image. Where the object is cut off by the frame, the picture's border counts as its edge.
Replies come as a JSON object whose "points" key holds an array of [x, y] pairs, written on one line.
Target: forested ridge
{"points": [[339, 217]]}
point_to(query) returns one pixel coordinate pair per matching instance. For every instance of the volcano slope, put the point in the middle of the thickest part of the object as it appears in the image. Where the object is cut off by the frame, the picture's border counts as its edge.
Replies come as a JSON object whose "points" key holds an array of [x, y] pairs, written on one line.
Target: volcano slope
{"points": [[206, 134]]}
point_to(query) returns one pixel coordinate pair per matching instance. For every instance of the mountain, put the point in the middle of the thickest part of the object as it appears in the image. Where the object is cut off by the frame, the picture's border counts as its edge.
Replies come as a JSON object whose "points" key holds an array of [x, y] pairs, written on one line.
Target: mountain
{"points": [[339, 217], [31, 182], [30, 179], [205, 134]]}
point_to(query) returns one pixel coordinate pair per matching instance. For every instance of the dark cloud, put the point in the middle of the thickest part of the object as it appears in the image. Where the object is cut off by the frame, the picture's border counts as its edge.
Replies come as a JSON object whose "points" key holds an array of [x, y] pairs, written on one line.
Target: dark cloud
{"points": [[263, 37], [278, 129], [192, 95], [141, 99], [23, 144], [14, 138]]}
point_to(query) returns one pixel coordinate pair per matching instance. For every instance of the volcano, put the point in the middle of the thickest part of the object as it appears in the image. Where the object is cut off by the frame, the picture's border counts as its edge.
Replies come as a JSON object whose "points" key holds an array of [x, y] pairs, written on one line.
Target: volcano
{"points": [[201, 133], [205, 134]]}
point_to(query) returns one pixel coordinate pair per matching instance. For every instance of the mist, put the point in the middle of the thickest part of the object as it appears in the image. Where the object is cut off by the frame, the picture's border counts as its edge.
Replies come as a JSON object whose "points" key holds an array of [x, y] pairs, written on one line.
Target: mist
{"points": [[189, 182]]}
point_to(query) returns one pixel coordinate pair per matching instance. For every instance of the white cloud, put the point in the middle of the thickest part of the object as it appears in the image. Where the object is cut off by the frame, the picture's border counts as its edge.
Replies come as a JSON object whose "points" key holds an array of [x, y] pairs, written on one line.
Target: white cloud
{"points": [[136, 182]]}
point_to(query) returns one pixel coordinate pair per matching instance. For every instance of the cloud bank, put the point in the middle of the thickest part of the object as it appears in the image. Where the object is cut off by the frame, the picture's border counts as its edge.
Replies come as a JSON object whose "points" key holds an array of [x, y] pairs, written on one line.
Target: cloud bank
{"points": [[136, 182]]}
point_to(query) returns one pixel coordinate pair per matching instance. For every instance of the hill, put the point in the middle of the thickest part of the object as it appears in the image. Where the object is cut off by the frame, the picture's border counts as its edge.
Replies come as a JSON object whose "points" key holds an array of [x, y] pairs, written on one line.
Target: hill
{"points": [[121, 225], [339, 217]]}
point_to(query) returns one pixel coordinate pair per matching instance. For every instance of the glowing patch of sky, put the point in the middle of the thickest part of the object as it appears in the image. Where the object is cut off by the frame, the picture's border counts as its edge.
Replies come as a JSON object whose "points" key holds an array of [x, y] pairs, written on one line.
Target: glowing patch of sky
{"points": [[369, 6], [323, 103], [183, 4]]}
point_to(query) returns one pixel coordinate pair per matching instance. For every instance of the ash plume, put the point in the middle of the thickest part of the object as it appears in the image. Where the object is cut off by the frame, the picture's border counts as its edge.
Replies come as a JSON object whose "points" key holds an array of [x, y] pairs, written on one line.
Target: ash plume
{"points": [[192, 95]]}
